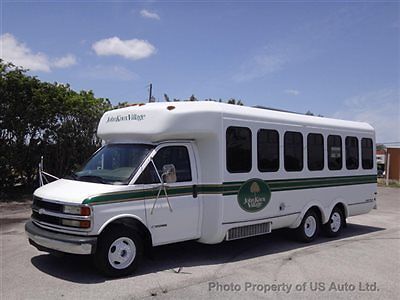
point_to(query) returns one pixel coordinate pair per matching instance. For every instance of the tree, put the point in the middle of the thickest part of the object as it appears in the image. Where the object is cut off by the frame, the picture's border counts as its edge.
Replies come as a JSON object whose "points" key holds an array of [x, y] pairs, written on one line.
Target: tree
{"points": [[40, 118], [309, 113]]}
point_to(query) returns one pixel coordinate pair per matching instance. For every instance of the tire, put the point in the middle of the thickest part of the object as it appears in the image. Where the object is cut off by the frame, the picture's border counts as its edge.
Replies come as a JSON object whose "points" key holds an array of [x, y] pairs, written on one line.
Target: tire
{"points": [[335, 224], [309, 227], [119, 251]]}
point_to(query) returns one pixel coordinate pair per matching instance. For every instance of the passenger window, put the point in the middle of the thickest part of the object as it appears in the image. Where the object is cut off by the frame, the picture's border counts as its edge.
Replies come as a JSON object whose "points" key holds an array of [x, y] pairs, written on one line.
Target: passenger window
{"points": [[176, 155], [367, 153], [238, 149], [335, 152], [293, 151], [268, 150], [315, 151], [352, 153]]}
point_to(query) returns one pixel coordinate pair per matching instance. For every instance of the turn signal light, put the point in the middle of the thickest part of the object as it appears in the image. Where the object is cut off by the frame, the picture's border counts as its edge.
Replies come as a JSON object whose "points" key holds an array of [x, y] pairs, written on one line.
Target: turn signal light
{"points": [[85, 211]]}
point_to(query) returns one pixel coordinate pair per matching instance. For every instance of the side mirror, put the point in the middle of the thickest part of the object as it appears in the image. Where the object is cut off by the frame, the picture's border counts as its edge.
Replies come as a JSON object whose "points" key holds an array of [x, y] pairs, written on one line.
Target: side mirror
{"points": [[169, 173]]}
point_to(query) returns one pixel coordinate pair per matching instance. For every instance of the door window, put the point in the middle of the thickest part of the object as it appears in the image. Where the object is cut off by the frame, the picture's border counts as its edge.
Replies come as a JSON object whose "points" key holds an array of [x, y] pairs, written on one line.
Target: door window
{"points": [[175, 155]]}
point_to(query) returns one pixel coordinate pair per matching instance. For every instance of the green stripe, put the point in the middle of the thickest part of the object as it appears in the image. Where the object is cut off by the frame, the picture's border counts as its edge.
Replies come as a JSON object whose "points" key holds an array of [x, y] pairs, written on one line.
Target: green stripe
{"points": [[232, 188]]}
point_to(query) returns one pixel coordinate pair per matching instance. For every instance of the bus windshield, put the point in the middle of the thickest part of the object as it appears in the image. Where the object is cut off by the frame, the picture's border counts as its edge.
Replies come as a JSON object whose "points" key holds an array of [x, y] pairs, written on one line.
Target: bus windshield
{"points": [[114, 163]]}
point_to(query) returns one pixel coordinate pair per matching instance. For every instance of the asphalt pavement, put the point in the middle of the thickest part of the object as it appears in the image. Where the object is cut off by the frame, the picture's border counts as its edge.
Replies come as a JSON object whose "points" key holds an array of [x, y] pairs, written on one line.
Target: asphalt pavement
{"points": [[363, 263]]}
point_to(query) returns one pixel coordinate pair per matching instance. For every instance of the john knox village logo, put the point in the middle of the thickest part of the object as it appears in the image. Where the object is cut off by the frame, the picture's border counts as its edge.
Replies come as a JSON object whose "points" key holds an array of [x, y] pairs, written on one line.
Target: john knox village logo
{"points": [[254, 195]]}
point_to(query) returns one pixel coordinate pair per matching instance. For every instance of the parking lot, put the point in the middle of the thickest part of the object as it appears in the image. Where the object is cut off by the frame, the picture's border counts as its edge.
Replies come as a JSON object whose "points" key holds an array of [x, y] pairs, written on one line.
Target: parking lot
{"points": [[363, 263]]}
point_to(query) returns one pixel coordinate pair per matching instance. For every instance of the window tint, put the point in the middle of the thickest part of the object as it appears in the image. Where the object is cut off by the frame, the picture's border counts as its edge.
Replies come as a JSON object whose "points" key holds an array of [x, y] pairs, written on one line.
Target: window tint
{"points": [[268, 150], [238, 149], [334, 152], [351, 153], [293, 151], [315, 151], [176, 155], [367, 153]]}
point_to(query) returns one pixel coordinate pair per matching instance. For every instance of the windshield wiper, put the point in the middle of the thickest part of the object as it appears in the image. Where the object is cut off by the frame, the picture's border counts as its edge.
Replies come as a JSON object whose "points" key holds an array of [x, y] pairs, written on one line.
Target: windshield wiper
{"points": [[91, 178]]}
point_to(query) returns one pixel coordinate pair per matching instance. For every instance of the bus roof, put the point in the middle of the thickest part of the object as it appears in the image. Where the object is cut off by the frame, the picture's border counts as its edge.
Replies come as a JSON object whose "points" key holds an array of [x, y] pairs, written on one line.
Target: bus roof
{"points": [[152, 122]]}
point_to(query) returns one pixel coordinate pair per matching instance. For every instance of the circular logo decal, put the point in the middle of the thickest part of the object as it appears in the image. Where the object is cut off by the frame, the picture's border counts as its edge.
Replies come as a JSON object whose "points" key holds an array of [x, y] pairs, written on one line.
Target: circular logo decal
{"points": [[254, 195]]}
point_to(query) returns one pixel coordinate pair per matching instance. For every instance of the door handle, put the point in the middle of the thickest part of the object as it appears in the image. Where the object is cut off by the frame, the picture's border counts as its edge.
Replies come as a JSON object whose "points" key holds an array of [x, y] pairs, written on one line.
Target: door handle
{"points": [[195, 191]]}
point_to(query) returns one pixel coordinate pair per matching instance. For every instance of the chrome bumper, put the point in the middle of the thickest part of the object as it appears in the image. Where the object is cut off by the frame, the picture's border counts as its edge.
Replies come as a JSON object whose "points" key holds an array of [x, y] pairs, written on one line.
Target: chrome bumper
{"points": [[48, 241]]}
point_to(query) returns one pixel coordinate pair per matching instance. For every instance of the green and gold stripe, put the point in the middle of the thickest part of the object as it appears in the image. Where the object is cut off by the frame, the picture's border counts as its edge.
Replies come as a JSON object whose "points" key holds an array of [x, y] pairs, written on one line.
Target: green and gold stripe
{"points": [[232, 188]]}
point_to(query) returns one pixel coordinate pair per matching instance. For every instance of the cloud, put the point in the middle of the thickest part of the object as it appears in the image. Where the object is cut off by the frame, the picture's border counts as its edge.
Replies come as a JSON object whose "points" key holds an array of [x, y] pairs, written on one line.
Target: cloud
{"points": [[20, 55], [260, 66], [379, 108], [292, 92], [131, 49], [101, 72], [65, 61], [149, 15]]}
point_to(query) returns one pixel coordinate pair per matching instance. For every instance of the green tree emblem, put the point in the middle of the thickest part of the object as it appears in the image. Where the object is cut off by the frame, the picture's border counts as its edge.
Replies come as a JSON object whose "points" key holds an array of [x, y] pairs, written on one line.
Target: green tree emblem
{"points": [[254, 195]]}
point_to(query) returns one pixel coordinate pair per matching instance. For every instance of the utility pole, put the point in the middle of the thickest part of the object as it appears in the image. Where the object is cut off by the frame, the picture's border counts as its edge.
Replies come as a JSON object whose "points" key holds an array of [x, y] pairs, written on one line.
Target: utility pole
{"points": [[150, 93]]}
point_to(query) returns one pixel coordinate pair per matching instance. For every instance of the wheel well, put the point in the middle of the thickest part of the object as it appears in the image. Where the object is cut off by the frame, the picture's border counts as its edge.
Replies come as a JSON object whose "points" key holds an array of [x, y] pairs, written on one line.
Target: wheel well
{"points": [[133, 224], [341, 206], [317, 211]]}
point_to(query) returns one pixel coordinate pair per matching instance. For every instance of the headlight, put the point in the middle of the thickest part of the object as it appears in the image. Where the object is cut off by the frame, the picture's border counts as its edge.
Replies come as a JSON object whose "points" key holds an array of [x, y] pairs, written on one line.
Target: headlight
{"points": [[76, 210]]}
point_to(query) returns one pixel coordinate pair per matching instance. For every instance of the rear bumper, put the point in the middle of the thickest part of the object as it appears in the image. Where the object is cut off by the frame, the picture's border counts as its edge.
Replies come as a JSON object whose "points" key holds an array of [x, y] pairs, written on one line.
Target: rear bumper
{"points": [[49, 241]]}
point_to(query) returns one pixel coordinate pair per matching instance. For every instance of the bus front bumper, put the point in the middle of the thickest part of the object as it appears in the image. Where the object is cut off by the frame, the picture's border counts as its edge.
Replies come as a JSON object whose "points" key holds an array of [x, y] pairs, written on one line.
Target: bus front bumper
{"points": [[49, 241]]}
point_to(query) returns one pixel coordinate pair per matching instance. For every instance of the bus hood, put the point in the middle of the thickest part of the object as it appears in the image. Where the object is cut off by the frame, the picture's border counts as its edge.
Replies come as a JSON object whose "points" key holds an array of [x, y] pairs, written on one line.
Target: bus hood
{"points": [[72, 191]]}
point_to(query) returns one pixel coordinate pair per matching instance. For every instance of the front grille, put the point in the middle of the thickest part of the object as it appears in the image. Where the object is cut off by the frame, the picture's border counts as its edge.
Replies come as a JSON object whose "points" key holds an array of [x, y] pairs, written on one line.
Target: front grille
{"points": [[50, 213], [46, 218], [249, 230], [39, 203]]}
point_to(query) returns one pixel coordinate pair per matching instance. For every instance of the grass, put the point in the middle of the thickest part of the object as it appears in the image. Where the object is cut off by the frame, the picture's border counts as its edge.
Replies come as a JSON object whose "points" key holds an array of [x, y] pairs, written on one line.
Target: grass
{"points": [[392, 183]]}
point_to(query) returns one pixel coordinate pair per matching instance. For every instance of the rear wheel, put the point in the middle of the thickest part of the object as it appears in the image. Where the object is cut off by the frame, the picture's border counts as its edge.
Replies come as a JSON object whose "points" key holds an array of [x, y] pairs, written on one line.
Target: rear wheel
{"points": [[119, 252], [335, 224], [309, 227]]}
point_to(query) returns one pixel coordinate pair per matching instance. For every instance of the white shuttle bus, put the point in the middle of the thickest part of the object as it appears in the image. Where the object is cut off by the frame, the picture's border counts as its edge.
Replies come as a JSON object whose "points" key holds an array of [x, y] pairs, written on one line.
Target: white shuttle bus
{"points": [[205, 171]]}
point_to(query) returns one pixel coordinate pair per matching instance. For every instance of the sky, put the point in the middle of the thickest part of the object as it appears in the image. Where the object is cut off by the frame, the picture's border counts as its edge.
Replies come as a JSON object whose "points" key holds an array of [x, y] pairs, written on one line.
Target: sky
{"points": [[337, 58]]}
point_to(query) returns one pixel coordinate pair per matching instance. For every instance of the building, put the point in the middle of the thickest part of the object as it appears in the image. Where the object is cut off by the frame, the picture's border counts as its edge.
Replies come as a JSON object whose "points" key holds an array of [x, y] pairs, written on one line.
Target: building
{"points": [[393, 161]]}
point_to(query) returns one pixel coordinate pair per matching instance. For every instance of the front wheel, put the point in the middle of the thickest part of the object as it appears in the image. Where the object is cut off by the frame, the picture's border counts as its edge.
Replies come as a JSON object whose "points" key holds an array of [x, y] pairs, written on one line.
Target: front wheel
{"points": [[309, 227], [119, 252], [335, 224]]}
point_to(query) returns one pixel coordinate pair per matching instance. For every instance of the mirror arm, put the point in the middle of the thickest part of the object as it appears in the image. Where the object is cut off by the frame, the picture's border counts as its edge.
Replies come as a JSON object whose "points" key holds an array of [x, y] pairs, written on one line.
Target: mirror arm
{"points": [[158, 174], [162, 187]]}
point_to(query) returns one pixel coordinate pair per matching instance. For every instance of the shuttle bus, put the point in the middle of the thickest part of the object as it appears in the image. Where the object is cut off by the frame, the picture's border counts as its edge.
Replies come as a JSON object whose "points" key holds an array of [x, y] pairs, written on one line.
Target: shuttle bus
{"points": [[206, 171]]}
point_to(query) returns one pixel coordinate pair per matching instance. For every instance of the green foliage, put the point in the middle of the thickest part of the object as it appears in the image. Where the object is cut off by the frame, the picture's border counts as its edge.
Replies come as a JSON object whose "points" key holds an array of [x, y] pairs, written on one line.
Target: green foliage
{"points": [[47, 119], [193, 98], [380, 147], [309, 113], [39, 118]]}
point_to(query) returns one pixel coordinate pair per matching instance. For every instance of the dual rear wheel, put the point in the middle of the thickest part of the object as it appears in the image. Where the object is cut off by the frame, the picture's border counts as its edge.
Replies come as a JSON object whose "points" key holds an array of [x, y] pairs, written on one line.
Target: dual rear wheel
{"points": [[311, 225]]}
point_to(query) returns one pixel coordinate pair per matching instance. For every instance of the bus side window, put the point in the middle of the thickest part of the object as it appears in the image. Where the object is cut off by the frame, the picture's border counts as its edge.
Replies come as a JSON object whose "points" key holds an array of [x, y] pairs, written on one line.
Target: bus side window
{"points": [[315, 151], [352, 153], [367, 153], [238, 149], [268, 150], [293, 151], [335, 152]]}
